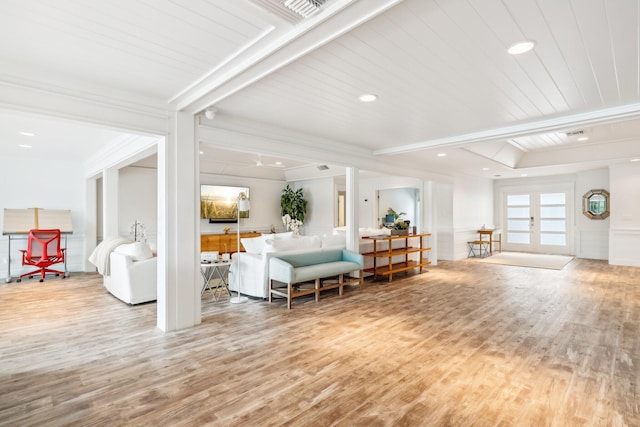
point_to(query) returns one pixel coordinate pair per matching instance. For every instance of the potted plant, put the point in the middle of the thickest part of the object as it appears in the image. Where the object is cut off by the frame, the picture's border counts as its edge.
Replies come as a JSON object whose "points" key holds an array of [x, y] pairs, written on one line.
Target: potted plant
{"points": [[293, 208], [400, 226]]}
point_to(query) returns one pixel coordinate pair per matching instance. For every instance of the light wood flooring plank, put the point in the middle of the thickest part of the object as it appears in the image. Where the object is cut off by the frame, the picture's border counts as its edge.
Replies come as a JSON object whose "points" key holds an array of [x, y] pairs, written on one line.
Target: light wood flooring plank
{"points": [[464, 344]]}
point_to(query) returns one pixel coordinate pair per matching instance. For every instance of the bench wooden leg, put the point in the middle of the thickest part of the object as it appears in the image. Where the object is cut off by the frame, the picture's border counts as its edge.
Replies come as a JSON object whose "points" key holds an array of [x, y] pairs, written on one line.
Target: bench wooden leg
{"points": [[340, 281], [270, 287], [317, 289], [289, 291]]}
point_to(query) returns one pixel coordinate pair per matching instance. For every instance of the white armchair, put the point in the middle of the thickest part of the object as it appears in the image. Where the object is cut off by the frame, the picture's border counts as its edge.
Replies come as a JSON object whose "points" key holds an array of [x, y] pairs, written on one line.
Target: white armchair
{"points": [[131, 281]]}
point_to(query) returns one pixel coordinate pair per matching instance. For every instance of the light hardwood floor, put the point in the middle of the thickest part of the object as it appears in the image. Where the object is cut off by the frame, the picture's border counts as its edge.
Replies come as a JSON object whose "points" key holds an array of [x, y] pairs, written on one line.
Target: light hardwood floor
{"points": [[464, 344]]}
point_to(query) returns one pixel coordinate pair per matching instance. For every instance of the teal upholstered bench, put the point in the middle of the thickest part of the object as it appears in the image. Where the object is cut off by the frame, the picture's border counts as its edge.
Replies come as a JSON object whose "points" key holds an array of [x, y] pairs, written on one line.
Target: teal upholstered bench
{"points": [[286, 271]]}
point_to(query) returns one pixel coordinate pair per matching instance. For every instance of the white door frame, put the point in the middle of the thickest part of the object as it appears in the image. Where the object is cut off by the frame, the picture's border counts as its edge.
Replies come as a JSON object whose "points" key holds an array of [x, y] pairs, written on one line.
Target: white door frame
{"points": [[568, 189]]}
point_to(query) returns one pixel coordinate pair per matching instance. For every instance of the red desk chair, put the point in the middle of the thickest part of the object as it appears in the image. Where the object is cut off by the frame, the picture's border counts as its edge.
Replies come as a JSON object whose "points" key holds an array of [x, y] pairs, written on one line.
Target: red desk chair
{"points": [[43, 250]]}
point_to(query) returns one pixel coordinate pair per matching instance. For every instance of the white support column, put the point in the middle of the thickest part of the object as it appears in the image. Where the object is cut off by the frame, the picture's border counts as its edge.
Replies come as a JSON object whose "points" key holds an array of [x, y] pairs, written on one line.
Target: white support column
{"points": [[429, 219], [353, 187], [90, 222], [178, 260], [110, 202]]}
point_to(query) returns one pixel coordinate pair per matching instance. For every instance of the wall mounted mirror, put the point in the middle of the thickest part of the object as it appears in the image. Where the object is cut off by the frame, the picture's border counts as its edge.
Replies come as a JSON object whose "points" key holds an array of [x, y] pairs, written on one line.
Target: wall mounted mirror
{"points": [[595, 204]]}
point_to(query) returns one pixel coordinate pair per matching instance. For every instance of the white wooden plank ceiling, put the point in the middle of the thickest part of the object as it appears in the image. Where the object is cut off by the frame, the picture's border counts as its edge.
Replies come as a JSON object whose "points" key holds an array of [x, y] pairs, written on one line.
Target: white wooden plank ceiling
{"points": [[439, 68]]}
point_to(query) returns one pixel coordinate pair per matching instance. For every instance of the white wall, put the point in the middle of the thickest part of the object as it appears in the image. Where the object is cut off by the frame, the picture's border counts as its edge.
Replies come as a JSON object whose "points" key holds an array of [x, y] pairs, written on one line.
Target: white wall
{"points": [[321, 198], [400, 200], [40, 183], [473, 207], [624, 233], [138, 200], [368, 205], [443, 199], [264, 196], [591, 236]]}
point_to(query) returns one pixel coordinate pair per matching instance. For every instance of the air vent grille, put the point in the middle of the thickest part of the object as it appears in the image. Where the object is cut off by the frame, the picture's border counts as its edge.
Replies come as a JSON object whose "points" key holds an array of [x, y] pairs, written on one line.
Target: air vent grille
{"points": [[304, 8], [293, 11]]}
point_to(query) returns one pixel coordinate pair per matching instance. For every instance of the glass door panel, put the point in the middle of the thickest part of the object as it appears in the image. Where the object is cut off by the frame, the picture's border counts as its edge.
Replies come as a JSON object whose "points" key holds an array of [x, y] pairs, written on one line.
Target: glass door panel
{"points": [[518, 216], [537, 221]]}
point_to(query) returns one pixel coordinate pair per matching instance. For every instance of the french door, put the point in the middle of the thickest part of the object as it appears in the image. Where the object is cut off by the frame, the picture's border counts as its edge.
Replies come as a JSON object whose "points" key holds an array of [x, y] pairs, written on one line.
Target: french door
{"points": [[538, 221]]}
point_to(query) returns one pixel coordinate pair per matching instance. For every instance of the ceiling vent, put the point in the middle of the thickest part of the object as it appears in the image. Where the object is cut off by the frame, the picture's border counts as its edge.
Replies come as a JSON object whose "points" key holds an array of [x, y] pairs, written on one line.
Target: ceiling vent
{"points": [[293, 11], [574, 133], [304, 8]]}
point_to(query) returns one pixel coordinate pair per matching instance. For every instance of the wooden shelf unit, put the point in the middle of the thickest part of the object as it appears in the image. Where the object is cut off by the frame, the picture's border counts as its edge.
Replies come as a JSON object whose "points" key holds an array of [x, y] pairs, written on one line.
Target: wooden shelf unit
{"points": [[388, 251], [223, 243]]}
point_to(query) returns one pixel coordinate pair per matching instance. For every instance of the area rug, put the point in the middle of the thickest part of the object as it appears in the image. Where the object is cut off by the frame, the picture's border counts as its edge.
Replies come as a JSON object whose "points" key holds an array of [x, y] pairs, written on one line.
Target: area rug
{"points": [[521, 259]]}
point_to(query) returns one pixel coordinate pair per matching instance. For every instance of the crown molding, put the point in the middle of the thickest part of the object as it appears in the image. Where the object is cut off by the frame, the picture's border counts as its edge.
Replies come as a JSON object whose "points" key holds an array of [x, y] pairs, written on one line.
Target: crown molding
{"points": [[87, 107], [123, 151]]}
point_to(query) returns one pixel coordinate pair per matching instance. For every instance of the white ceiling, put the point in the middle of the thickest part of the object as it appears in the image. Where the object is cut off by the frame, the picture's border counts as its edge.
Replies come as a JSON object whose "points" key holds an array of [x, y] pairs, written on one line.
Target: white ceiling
{"points": [[444, 81]]}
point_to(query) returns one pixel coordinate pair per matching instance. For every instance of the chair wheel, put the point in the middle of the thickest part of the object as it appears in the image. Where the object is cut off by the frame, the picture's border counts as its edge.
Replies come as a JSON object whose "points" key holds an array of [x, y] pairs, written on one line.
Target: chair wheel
{"points": [[41, 280], [64, 277], [30, 277], [19, 280]]}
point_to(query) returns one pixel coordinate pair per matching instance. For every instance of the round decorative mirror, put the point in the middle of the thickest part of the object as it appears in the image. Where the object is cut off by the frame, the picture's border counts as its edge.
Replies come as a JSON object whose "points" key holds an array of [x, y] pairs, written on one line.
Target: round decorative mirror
{"points": [[595, 204]]}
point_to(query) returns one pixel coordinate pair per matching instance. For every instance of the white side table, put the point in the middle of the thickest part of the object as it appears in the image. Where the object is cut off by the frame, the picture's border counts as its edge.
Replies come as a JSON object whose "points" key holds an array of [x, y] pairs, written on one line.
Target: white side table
{"points": [[215, 270]]}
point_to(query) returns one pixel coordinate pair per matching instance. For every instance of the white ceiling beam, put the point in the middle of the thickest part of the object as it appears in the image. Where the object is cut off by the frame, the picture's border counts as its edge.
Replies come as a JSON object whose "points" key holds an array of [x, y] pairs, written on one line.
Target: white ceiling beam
{"points": [[597, 117], [112, 114], [243, 137], [336, 19]]}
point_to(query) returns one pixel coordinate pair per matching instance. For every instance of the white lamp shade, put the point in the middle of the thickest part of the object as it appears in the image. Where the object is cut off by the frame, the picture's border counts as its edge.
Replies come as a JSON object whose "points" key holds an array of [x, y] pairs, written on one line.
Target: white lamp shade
{"points": [[244, 205]]}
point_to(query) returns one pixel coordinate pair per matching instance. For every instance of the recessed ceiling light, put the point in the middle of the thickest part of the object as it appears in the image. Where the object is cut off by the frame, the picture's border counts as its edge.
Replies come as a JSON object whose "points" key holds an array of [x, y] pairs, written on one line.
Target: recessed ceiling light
{"points": [[442, 154], [24, 146], [201, 153], [485, 169], [368, 97], [635, 160], [521, 47], [279, 163], [524, 174], [27, 134], [583, 138]]}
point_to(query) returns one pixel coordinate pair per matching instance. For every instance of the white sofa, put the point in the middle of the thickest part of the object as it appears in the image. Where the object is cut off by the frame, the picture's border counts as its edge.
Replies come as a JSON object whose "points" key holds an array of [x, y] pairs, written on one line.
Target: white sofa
{"points": [[128, 269], [253, 267], [132, 281]]}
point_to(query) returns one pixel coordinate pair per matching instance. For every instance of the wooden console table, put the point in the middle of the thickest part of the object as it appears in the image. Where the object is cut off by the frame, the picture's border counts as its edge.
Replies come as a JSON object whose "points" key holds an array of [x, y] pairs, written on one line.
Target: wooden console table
{"points": [[223, 243], [383, 248]]}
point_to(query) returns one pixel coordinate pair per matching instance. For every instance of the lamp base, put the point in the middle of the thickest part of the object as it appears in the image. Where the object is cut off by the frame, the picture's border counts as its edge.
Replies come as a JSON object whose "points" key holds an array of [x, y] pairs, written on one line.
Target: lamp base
{"points": [[238, 300]]}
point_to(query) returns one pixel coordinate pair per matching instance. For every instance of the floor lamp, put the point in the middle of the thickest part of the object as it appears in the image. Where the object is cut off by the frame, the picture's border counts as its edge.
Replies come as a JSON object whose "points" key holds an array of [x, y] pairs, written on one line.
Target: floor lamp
{"points": [[243, 206]]}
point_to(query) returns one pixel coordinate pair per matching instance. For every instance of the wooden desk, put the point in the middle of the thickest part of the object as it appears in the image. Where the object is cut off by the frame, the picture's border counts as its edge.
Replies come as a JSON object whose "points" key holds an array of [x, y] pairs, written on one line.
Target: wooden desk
{"points": [[490, 234]]}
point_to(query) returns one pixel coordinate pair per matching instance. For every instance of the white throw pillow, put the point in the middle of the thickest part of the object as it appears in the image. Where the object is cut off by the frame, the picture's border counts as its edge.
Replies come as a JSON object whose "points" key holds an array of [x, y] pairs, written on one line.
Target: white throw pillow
{"points": [[294, 243], [138, 250], [334, 240], [253, 245], [287, 235]]}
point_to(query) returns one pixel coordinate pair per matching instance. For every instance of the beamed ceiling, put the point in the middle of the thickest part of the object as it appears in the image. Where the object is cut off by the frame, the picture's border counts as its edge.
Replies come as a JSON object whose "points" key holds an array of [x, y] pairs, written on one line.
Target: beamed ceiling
{"points": [[449, 97]]}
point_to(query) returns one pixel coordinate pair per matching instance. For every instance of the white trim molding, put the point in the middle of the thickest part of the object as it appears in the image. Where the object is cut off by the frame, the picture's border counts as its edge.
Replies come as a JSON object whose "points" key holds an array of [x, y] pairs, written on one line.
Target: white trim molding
{"points": [[623, 247]]}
